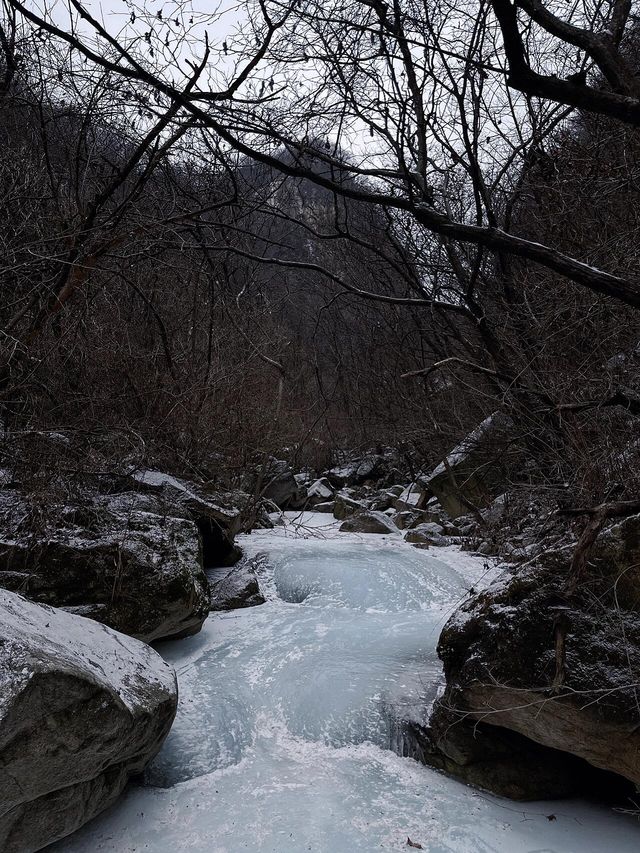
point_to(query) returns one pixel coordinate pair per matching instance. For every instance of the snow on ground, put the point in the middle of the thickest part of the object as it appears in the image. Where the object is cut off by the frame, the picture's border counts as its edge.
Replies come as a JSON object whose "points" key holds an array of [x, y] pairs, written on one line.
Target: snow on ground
{"points": [[287, 712]]}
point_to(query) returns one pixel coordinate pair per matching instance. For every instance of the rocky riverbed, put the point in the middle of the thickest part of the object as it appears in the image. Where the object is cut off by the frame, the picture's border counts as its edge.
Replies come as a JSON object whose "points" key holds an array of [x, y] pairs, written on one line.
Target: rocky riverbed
{"points": [[290, 730]]}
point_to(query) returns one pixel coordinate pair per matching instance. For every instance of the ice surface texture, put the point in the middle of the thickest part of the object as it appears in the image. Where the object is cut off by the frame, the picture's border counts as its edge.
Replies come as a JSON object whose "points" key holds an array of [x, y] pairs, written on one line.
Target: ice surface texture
{"points": [[288, 710]]}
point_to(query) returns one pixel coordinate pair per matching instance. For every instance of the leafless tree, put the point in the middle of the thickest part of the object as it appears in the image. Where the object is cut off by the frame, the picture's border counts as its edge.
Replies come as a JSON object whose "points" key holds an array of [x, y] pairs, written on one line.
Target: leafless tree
{"points": [[441, 118]]}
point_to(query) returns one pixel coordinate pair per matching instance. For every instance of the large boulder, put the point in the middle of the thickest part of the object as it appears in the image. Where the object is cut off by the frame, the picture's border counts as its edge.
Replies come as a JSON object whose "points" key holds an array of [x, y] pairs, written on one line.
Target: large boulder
{"points": [[476, 470], [368, 521], [82, 709], [321, 491], [274, 481], [219, 515], [501, 651], [132, 561]]}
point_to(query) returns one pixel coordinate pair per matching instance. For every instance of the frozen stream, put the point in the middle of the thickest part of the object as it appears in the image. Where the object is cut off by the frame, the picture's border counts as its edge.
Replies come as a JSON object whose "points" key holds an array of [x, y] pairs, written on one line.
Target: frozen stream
{"points": [[282, 740]]}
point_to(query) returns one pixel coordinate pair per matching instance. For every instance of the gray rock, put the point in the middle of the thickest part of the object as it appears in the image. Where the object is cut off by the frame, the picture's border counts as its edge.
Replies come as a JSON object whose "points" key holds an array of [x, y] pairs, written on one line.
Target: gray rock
{"points": [[344, 506], [368, 521], [358, 471], [496, 511], [284, 491], [499, 655], [416, 496], [407, 518], [130, 560], [431, 527], [320, 491], [239, 588], [383, 501], [475, 471], [82, 709], [327, 506], [276, 482], [396, 490], [429, 533]]}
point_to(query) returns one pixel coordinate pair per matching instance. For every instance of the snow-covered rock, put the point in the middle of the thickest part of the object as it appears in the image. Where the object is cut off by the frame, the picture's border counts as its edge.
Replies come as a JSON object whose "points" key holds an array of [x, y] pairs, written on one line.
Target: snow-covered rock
{"points": [[395, 490], [239, 587], [412, 497], [357, 471], [475, 471], [407, 518], [82, 708], [368, 521], [500, 657], [130, 560], [218, 514], [429, 533], [320, 491], [325, 506], [344, 506], [383, 501], [495, 512]]}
